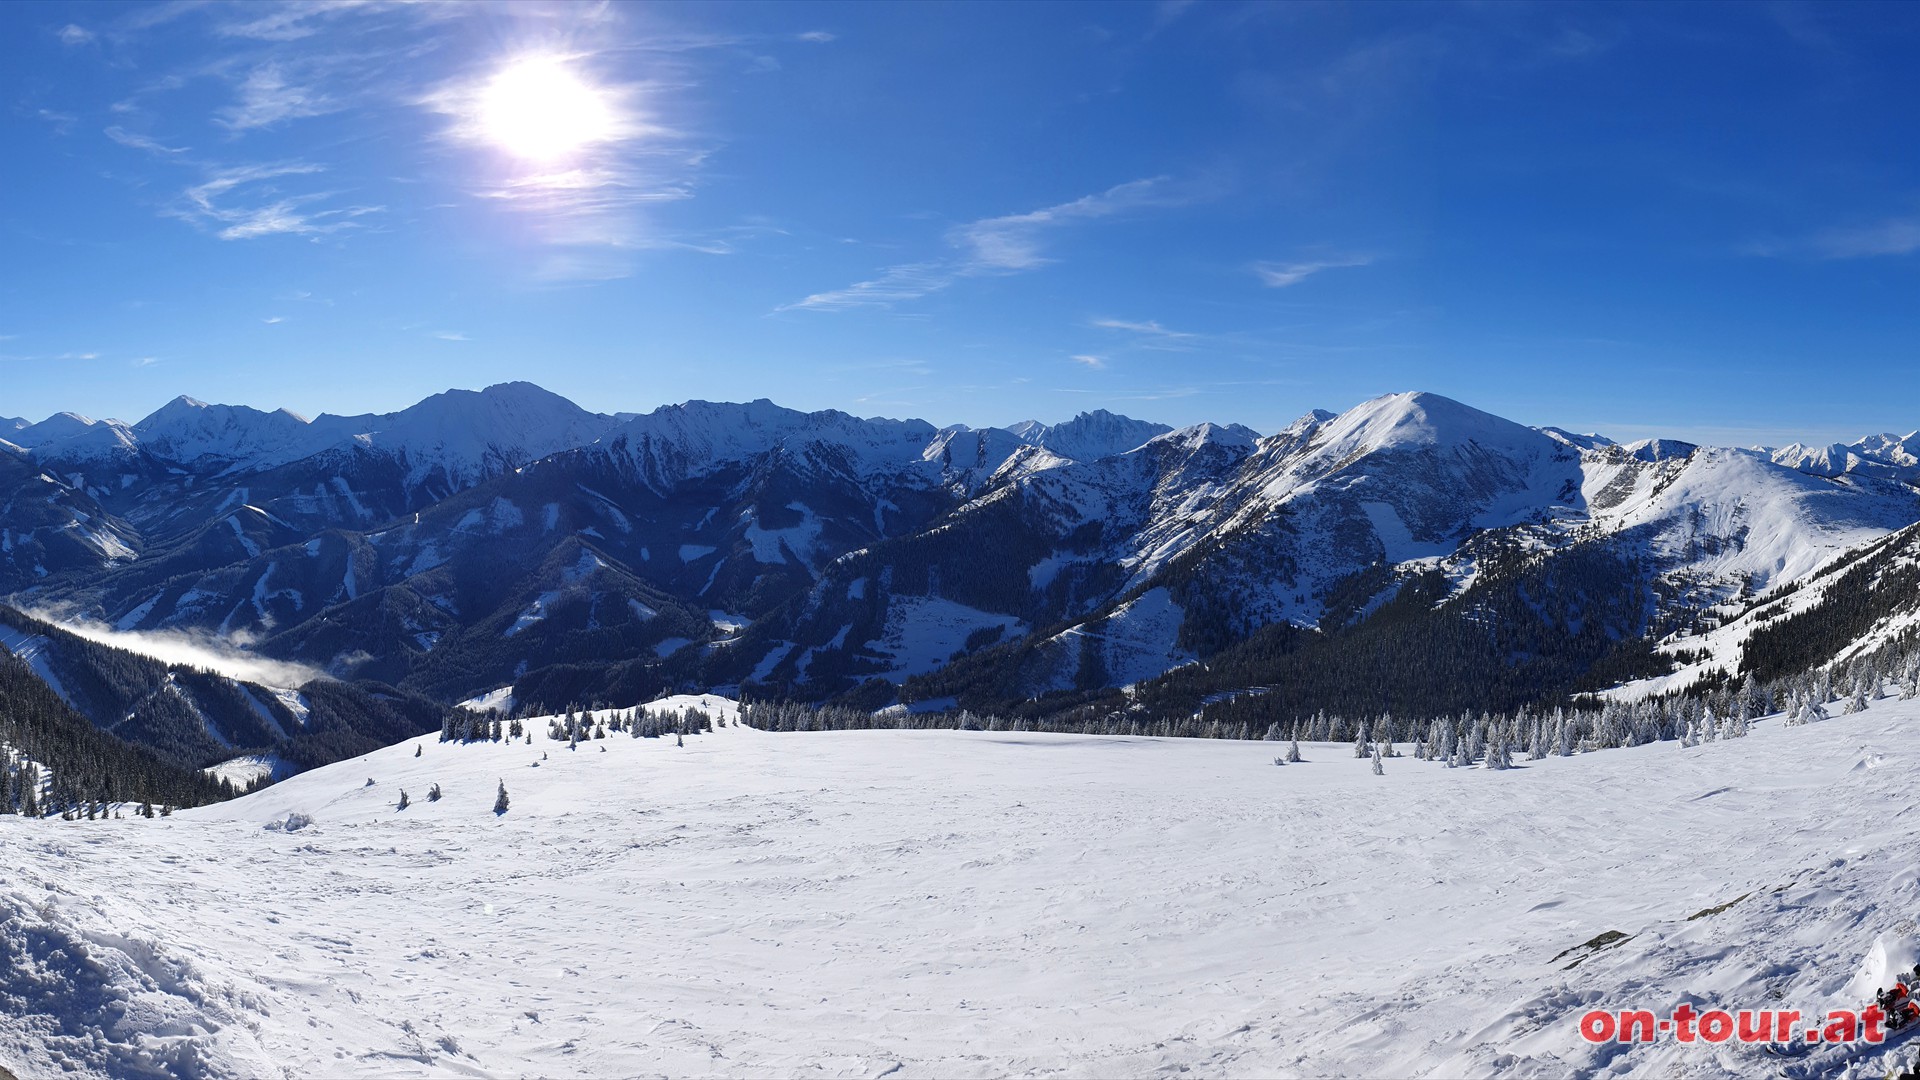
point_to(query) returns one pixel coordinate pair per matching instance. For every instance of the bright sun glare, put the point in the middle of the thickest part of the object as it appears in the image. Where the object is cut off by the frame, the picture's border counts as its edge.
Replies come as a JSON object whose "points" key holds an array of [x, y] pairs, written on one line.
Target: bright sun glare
{"points": [[539, 108]]}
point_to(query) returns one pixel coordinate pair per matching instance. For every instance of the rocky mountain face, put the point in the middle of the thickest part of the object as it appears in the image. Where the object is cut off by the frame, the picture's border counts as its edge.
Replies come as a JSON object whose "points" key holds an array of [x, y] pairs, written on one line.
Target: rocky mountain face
{"points": [[508, 538]]}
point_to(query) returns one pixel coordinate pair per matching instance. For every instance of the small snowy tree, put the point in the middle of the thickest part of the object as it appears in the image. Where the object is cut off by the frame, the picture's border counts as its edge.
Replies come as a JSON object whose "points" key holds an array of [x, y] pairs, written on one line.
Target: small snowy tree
{"points": [[1497, 755], [1293, 752], [416, 751], [500, 800], [433, 793], [1378, 768], [404, 801]]}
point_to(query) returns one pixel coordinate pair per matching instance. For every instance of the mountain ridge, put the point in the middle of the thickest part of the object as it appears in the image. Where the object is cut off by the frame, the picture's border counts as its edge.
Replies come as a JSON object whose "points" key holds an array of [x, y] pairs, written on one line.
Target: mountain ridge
{"points": [[507, 538]]}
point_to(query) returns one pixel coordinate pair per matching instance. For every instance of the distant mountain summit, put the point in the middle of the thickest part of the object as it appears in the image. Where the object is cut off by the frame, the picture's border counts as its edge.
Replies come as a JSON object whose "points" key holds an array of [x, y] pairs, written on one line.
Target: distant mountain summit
{"points": [[1090, 435]]}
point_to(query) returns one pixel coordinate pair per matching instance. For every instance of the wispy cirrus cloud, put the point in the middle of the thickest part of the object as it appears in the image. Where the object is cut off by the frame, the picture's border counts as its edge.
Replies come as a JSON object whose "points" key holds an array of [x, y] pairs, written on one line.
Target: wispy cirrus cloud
{"points": [[245, 203], [1013, 242], [74, 35], [1275, 275], [1007, 244], [1893, 236], [61, 122], [287, 21], [1149, 328], [1089, 360], [52, 358], [267, 98], [1149, 335], [894, 285], [141, 142], [1896, 235]]}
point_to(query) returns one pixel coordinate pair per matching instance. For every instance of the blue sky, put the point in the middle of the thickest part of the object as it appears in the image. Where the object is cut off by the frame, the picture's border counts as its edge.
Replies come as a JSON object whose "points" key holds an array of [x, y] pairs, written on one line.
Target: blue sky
{"points": [[1694, 220]]}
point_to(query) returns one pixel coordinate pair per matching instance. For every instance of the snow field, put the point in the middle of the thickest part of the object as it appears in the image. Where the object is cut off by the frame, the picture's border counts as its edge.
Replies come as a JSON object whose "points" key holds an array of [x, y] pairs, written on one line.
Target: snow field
{"points": [[968, 904]]}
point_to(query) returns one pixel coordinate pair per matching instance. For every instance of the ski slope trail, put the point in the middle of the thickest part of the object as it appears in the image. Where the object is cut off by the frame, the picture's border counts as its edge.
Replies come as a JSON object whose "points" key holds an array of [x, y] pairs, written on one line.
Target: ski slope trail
{"points": [[947, 903]]}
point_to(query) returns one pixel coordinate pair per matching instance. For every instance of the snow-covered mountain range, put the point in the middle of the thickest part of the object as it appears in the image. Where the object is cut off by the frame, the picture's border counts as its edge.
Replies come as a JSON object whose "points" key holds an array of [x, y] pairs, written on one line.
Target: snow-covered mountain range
{"points": [[509, 539]]}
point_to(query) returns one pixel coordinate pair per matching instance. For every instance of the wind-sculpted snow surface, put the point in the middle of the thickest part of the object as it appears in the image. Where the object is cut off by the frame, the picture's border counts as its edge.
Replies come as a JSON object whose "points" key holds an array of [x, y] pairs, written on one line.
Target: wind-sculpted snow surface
{"points": [[92, 1002], [947, 903]]}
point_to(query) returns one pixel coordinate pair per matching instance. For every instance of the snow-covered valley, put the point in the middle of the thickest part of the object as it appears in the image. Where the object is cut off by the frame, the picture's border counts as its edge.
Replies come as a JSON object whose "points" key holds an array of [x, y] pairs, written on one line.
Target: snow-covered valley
{"points": [[968, 903]]}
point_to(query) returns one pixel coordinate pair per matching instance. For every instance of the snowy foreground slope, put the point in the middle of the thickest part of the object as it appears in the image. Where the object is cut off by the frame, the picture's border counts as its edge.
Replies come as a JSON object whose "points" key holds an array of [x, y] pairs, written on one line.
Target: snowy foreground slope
{"points": [[967, 904]]}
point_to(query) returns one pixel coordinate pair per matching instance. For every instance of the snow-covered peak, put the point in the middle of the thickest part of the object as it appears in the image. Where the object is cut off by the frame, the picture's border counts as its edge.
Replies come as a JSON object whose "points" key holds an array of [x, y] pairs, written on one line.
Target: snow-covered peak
{"points": [[1090, 435], [193, 432], [981, 449], [1902, 450], [1418, 420], [470, 434], [1787, 521], [1577, 440], [12, 423], [1657, 450], [677, 441], [1195, 436], [72, 438], [1885, 455], [54, 428]]}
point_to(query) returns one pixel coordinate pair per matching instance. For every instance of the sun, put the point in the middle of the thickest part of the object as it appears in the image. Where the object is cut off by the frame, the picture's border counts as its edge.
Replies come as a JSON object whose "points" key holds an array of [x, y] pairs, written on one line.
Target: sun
{"points": [[538, 107]]}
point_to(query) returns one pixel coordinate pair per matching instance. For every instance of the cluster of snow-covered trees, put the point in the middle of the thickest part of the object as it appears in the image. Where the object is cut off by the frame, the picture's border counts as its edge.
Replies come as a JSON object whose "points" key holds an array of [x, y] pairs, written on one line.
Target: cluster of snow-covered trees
{"points": [[575, 725], [1717, 710]]}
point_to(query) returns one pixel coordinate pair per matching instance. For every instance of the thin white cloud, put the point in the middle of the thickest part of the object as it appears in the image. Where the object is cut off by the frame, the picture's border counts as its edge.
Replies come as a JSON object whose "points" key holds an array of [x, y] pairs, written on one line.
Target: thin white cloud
{"points": [[57, 357], [1008, 244], [141, 142], [245, 203], [73, 35], [273, 320], [62, 121], [818, 37], [268, 98], [1012, 242], [909, 282], [1149, 328], [1894, 236], [1281, 275], [288, 21], [1089, 360], [450, 335]]}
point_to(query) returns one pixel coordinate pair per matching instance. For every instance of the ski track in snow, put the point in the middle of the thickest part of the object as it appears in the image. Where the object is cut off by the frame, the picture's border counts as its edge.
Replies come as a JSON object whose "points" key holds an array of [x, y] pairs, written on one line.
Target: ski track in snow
{"points": [[967, 904]]}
